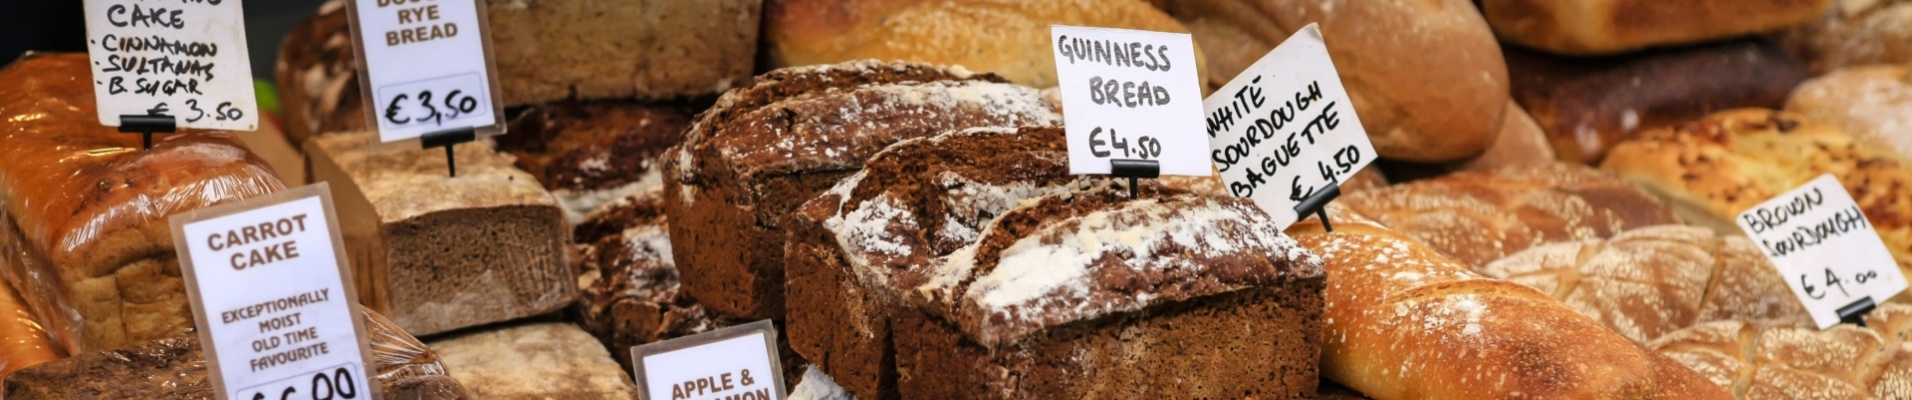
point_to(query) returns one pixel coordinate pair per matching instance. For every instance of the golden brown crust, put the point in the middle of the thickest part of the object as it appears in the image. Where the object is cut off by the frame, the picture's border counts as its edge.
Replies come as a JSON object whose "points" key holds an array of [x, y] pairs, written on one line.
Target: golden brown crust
{"points": [[1593, 27], [1433, 95], [22, 342], [1853, 33], [1759, 361], [1732, 160], [1873, 103], [1404, 322], [1520, 143], [1007, 37]]}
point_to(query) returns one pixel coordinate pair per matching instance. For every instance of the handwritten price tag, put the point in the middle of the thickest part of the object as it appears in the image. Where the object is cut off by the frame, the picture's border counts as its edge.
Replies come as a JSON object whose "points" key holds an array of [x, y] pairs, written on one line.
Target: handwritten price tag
{"points": [[1825, 248], [428, 66], [1130, 95], [1285, 128], [185, 59]]}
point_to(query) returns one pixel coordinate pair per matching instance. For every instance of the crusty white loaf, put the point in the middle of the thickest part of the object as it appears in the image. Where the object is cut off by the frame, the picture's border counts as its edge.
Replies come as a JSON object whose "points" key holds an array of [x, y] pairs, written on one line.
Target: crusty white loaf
{"points": [[1651, 281], [1761, 361], [1873, 103], [1591, 27], [1426, 76], [1405, 322], [1721, 165]]}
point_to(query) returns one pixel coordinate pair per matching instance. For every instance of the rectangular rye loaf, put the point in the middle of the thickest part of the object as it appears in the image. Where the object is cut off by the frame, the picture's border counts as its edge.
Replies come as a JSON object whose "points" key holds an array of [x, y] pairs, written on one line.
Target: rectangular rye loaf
{"points": [[438, 253], [84, 232], [544, 50], [1098, 295], [790, 134]]}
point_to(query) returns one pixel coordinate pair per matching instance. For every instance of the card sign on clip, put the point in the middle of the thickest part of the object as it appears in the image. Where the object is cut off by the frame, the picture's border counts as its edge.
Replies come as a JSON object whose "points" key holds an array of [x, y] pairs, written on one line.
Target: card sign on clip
{"points": [[1825, 248], [739, 362], [427, 67], [184, 59], [272, 297], [1131, 95], [1285, 128]]}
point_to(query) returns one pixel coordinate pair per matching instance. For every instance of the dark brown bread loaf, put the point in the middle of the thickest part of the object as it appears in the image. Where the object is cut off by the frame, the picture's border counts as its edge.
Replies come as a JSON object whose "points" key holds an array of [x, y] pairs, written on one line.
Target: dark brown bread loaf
{"points": [[768, 147], [1588, 105], [175, 368], [594, 153], [1651, 281], [1095, 294], [1477, 217]]}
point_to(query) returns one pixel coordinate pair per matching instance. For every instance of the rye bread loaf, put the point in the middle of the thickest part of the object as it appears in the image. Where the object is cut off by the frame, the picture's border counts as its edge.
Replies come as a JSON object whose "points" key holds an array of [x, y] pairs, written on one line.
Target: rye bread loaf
{"points": [[1009, 38], [1854, 33], [544, 360], [1476, 217], [1426, 76], [766, 148], [1714, 168], [175, 368], [1873, 103], [84, 232], [1763, 361], [1095, 294], [941, 192], [439, 253], [1588, 105], [1594, 27], [593, 153], [1648, 282], [544, 51], [1405, 322]]}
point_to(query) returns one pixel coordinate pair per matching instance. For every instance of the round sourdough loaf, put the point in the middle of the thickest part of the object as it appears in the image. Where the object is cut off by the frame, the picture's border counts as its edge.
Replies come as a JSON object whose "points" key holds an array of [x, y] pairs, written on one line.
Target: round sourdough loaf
{"points": [[1873, 103], [1773, 361]]}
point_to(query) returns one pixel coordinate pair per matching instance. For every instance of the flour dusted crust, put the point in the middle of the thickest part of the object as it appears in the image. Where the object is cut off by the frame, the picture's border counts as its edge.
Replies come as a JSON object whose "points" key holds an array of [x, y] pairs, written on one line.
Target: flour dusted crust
{"points": [[1594, 27], [779, 141], [1873, 103], [1651, 281], [590, 154], [1477, 217], [548, 360], [1732, 160], [84, 232], [1760, 361]]}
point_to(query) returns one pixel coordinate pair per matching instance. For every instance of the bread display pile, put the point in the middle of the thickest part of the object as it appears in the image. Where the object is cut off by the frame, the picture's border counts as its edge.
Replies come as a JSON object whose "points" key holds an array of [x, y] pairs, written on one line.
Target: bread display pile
{"points": [[886, 183]]}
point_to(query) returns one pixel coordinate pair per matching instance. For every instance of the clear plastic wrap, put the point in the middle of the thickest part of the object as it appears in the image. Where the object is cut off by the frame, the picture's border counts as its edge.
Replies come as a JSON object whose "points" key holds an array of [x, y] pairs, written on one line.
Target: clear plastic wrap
{"points": [[23, 343], [175, 368], [86, 239]]}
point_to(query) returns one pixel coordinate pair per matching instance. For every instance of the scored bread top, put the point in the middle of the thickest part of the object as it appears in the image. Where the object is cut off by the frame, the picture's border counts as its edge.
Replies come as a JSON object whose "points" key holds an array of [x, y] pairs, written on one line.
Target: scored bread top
{"points": [[831, 117], [1760, 361], [1733, 160], [88, 195], [1480, 216]]}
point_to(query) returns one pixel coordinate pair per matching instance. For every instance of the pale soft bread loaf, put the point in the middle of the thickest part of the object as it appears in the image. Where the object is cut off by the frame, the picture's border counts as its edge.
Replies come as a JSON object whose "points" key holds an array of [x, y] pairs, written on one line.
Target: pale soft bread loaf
{"points": [[1591, 27], [546, 360], [438, 253], [1651, 281], [1871, 102], [1723, 164], [1426, 76], [1758, 361], [1404, 322], [1477, 217], [1588, 105], [1854, 33]]}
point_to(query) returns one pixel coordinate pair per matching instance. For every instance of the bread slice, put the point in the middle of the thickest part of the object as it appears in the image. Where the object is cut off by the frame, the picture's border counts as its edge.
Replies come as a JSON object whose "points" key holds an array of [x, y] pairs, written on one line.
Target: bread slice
{"points": [[546, 360], [439, 253]]}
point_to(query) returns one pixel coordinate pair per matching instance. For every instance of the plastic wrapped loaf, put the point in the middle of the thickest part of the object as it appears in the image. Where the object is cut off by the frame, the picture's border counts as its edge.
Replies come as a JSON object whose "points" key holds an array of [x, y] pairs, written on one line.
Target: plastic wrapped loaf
{"points": [[84, 230], [175, 368]]}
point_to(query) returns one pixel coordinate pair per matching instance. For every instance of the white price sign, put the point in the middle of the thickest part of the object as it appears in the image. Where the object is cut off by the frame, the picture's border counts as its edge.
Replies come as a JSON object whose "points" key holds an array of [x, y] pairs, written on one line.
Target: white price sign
{"points": [[1131, 95], [273, 298], [1285, 129], [738, 362], [184, 59], [1823, 245], [427, 66]]}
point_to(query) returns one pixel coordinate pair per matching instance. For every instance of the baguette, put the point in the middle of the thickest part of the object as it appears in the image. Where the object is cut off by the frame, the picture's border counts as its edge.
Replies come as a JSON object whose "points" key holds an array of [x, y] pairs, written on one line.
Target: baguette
{"points": [[1404, 322]]}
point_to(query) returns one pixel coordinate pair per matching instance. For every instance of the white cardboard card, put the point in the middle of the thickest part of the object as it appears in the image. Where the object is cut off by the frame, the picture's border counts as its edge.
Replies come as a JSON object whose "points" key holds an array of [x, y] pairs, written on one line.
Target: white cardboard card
{"points": [[1285, 128], [1129, 95], [427, 67], [273, 297], [1822, 244], [185, 59], [738, 362]]}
